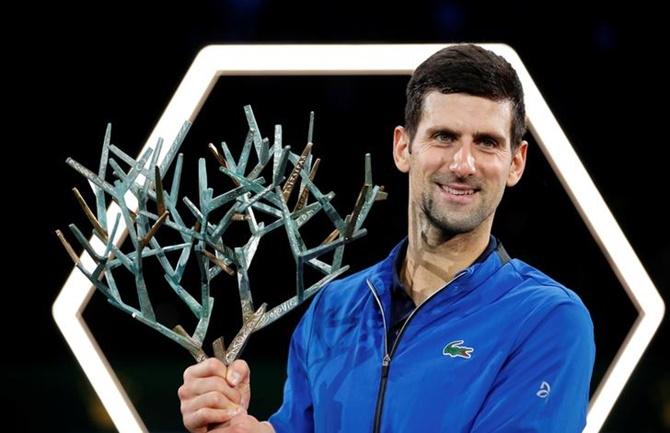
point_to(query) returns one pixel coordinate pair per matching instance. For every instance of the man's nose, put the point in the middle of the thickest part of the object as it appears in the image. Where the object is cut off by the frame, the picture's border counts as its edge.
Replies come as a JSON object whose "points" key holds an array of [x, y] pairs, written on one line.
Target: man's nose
{"points": [[463, 161]]}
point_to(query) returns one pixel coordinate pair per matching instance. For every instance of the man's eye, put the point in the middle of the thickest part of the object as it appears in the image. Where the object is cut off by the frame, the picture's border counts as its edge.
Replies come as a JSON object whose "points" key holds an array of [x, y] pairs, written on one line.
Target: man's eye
{"points": [[489, 142], [444, 137]]}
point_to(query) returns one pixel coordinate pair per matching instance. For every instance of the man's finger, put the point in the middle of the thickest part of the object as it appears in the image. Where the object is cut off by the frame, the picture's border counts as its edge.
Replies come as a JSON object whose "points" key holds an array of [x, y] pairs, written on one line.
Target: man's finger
{"points": [[206, 368], [207, 416], [198, 387], [212, 400]]}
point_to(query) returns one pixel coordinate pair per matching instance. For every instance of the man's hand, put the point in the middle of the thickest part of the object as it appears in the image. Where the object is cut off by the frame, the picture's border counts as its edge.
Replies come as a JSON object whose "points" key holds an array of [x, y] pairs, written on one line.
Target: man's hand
{"points": [[244, 423], [213, 394]]}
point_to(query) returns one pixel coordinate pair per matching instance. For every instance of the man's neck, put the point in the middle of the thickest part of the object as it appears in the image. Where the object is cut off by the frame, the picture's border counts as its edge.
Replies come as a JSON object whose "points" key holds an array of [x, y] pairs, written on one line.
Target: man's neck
{"points": [[432, 261]]}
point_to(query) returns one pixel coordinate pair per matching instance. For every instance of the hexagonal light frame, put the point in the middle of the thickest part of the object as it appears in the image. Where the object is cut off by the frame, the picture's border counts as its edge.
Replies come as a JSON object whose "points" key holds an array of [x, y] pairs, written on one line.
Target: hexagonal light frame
{"points": [[384, 59]]}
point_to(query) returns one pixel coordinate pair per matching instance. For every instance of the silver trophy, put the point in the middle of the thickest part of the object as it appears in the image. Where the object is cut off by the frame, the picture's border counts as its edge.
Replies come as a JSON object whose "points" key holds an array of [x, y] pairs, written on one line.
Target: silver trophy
{"points": [[149, 209]]}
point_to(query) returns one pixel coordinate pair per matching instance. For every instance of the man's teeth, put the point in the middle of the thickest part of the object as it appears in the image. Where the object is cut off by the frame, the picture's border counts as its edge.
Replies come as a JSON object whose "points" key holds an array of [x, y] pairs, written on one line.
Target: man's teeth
{"points": [[458, 191]]}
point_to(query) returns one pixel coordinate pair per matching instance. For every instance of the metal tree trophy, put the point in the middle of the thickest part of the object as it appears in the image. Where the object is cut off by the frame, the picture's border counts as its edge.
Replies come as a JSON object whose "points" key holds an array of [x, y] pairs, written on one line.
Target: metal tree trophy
{"points": [[143, 182]]}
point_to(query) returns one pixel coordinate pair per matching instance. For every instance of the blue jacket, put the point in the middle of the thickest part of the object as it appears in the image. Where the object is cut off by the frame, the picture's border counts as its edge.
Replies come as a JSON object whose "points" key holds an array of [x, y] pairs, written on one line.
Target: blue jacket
{"points": [[501, 348]]}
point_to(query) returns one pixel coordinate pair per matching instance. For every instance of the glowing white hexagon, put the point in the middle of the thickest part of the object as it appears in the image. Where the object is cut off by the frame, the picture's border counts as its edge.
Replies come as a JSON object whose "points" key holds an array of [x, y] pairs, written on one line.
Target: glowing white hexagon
{"points": [[387, 59]]}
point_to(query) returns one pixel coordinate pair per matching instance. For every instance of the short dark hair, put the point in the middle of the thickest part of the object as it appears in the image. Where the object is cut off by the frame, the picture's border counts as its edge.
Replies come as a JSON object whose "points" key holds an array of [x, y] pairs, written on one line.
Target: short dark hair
{"points": [[470, 69]]}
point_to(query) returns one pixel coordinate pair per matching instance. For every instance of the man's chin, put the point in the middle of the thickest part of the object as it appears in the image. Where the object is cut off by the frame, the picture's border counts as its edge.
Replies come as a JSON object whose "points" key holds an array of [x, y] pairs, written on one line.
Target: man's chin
{"points": [[450, 228]]}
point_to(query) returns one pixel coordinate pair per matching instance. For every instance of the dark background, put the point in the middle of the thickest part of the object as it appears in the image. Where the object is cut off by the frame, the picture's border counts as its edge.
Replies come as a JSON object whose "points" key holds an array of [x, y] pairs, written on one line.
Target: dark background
{"points": [[75, 68]]}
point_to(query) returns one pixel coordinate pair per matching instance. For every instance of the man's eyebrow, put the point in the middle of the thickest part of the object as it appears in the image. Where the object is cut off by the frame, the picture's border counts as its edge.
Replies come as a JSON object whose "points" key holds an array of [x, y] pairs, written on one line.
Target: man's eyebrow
{"points": [[479, 135], [435, 129], [497, 137]]}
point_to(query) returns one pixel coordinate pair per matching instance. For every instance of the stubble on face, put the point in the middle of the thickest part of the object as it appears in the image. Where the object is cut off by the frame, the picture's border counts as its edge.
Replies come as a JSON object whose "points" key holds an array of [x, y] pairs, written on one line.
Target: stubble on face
{"points": [[452, 222]]}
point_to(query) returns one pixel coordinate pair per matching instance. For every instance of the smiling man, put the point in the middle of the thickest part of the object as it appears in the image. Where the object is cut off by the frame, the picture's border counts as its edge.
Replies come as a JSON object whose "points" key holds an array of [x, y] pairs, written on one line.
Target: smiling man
{"points": [[448, 333]]}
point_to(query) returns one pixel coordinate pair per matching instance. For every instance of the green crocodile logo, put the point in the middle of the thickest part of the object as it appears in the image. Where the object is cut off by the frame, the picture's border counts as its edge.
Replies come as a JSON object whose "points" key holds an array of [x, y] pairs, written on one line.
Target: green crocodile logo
{"points": [[455, 349]]}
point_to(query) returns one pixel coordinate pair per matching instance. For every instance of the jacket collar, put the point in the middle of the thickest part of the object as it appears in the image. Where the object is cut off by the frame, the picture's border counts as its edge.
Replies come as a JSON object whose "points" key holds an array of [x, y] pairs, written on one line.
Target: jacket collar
{"points": [[467, 280]]}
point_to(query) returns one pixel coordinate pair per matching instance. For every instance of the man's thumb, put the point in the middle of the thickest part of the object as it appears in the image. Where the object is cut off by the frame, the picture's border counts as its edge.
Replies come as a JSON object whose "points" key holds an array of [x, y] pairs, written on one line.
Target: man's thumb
{"points": [[238, 373]]}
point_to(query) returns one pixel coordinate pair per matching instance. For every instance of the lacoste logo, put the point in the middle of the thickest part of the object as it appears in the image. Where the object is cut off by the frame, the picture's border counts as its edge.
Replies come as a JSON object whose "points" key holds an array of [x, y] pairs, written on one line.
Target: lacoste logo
{"points": [[455, 349]]}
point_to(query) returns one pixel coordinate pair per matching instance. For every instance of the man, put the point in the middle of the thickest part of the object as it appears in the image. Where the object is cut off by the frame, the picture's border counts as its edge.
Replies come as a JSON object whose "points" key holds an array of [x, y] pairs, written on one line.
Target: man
{"points": [[447, 334]]}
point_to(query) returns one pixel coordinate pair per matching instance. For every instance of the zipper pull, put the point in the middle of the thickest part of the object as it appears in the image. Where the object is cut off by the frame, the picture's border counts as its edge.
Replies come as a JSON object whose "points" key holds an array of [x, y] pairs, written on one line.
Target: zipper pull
{"points": [[385, 365]]}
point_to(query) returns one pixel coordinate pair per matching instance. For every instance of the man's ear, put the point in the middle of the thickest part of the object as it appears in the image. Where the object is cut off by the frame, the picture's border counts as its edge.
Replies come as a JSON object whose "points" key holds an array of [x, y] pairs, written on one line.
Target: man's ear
{"points": [[401, 148], [518, 164]]}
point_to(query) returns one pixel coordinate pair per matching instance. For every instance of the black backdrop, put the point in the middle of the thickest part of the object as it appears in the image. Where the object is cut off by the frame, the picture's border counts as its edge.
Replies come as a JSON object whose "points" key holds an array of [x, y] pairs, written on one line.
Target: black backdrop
{"points": [[76, 68]]}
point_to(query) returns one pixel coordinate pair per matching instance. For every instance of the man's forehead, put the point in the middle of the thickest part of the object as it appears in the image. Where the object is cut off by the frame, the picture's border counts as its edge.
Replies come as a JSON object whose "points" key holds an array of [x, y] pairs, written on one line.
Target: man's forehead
{"points": [[460, 111]]}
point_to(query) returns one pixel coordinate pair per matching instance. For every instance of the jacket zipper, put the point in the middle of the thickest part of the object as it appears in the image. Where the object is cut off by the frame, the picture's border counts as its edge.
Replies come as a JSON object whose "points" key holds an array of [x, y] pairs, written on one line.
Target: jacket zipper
{"points": [[386, 361]]}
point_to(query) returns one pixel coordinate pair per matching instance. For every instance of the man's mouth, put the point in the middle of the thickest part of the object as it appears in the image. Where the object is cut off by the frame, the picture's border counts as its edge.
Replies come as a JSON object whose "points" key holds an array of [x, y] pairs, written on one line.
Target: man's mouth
{"points": [[458, 190], [455, 191]]}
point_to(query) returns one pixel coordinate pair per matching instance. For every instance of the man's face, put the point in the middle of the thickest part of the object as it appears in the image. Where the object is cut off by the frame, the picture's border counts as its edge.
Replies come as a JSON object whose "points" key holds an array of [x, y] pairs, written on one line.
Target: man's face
{"points": [[460, 161]]}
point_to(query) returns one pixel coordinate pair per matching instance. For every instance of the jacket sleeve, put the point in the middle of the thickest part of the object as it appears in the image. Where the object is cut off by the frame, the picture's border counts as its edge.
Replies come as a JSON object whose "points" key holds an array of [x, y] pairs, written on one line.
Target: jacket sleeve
{"points": [[544, 384], [296, 412]]}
